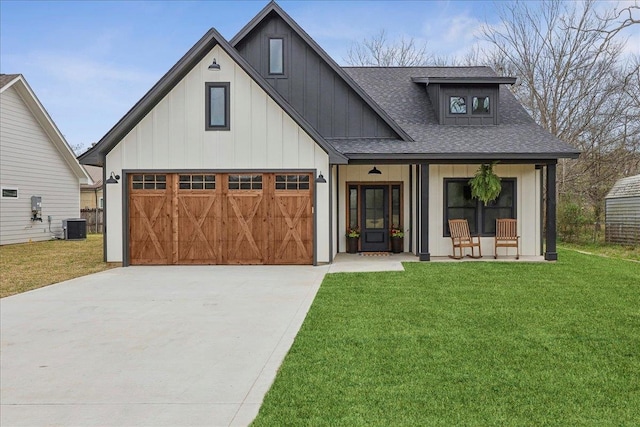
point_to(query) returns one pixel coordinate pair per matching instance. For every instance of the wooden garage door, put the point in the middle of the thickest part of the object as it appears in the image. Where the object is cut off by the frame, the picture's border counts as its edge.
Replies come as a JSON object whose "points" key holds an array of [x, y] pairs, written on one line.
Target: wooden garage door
{"points": [[207, 218]]}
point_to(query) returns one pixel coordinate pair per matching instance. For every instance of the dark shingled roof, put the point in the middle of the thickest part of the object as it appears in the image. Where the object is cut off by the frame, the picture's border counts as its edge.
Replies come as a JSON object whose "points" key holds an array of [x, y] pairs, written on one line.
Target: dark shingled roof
{"points": [[517, 136], [6, 78]]}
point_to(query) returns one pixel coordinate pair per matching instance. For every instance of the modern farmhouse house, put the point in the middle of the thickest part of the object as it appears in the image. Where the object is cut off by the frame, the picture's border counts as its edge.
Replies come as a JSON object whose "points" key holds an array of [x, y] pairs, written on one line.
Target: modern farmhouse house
{"points": [[263, 150]]}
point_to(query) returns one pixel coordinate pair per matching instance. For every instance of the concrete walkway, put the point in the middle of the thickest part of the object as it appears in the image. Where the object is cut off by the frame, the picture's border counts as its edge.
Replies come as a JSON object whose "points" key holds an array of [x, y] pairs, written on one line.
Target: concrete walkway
{"points": [[364, 263], [150, 346]]}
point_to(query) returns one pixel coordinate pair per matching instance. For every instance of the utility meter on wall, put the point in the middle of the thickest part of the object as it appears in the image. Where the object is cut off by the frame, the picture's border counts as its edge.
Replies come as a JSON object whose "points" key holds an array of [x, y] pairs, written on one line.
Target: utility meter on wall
{"points": [[36, 208]]}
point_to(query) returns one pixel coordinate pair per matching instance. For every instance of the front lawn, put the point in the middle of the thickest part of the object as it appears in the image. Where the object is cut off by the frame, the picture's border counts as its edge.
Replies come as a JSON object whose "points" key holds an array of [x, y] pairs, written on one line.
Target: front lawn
{"points": [[468, 344], [28, 266]]}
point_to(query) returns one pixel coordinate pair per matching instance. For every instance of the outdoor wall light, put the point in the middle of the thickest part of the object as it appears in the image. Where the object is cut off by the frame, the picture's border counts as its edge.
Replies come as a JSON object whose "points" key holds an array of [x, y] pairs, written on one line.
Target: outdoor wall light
{"points": [[113, 179], [321, 179], [214, 65], [375, 171]]}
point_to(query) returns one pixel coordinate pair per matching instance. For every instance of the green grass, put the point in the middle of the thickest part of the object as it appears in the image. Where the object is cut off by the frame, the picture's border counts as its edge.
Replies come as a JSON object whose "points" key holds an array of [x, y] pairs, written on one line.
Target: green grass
{"points": [[28, 266], [468, 344], [608, 250]]}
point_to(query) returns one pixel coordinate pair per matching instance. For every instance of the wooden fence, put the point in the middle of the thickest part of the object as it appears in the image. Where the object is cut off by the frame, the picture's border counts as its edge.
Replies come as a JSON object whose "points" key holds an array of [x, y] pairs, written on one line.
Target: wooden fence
{"points": [[95, 219]]}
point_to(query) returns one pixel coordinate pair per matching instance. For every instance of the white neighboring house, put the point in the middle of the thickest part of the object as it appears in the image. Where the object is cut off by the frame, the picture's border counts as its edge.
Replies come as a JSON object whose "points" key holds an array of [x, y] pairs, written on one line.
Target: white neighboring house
{"points": [[35, 160]]}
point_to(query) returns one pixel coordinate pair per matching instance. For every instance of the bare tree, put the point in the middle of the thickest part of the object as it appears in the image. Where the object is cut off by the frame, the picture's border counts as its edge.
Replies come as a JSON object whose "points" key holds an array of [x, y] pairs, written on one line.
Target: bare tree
{"points": [[575, 82], [378, 51]]}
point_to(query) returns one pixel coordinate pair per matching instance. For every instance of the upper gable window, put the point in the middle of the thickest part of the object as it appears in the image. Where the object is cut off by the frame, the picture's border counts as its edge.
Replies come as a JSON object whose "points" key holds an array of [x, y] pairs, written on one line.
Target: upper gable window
{"points": [[276, 55], [217, 108], [457, 105], [480, 105]]}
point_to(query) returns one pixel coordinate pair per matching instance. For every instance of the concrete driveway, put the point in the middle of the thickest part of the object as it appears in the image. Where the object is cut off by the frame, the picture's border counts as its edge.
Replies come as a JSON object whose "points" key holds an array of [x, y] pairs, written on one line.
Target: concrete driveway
{"points": [[150, 346]]}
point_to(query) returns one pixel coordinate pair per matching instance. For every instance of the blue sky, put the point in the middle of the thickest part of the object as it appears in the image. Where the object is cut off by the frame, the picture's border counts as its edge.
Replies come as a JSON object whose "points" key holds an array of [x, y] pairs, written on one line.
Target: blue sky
{"points": [[89, 62]]}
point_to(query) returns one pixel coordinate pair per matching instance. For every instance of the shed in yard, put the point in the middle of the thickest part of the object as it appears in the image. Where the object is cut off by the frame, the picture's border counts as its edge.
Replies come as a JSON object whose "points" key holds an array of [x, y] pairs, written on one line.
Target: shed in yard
{"points": [[622, 212]]}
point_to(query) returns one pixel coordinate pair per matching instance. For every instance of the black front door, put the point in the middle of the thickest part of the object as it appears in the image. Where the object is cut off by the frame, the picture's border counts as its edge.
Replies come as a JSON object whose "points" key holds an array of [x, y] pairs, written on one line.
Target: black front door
{"points": [[375, 218]]}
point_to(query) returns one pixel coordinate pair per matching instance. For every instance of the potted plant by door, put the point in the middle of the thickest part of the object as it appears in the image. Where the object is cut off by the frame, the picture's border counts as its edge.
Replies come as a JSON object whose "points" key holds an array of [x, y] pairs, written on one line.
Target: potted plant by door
{"points": [[353, 236], [397, 240]]}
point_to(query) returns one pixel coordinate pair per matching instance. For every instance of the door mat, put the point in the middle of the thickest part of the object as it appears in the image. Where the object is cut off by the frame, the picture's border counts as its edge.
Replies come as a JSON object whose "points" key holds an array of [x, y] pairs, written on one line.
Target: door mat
{"points": [[374, 253]]}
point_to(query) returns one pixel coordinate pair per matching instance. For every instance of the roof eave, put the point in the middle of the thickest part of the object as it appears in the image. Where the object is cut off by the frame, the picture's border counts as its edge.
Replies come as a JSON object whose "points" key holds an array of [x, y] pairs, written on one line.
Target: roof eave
{"points": [[461, 157], [464, 80]]}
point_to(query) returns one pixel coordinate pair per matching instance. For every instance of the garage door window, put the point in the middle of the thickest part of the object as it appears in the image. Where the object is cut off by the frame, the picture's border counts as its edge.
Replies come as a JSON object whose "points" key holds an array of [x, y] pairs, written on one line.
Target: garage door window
{"points": [[292, 182], [245, 182], [149, 182], [197, 182]]}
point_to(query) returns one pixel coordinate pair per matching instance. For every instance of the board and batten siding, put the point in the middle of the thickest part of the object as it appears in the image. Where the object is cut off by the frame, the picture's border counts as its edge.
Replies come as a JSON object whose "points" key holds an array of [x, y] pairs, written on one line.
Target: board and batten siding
{"points": [[528, 209], [262, 137], [30, 162], [622, 220], [310, 85]]}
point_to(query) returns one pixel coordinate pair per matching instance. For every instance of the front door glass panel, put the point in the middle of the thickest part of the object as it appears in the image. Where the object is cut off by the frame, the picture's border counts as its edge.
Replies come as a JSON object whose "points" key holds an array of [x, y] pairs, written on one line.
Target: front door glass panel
{"points": [[375, 218]]}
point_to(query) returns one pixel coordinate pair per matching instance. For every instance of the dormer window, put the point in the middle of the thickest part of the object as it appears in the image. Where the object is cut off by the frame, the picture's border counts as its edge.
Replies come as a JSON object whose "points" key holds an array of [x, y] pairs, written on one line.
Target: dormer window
{"points": [[276, 55], [480, 105], [457, 105]]}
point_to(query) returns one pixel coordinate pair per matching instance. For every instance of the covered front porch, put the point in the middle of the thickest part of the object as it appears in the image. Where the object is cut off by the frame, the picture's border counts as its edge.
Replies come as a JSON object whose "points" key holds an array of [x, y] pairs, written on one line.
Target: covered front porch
{"points": [[419, 199]]}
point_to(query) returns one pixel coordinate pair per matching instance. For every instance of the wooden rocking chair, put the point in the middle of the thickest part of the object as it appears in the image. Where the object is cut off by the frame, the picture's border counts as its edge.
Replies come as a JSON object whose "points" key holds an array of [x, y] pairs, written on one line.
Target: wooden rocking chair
{"points": [[506, 236], [462, 238]]}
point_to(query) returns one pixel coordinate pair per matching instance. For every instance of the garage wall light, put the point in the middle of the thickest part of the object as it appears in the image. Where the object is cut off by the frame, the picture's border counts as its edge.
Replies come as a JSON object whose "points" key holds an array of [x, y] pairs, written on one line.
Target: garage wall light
{"points": [[113, 179], [375, 171], [320, 179]]}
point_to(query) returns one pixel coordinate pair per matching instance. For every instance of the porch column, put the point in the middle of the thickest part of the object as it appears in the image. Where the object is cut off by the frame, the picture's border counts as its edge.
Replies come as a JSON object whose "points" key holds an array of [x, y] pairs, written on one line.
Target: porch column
{"points": [[550, 253], [423, 253]]}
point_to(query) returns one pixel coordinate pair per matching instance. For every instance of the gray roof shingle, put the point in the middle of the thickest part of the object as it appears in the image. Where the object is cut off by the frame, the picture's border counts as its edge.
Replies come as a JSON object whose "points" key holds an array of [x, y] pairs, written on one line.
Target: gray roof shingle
{"points": [[6, 78], [517, 135]]}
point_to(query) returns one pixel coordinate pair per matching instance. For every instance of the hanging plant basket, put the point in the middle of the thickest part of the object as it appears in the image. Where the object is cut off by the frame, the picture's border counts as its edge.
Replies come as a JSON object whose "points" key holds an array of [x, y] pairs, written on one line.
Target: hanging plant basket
{"points": [[485, 185]]}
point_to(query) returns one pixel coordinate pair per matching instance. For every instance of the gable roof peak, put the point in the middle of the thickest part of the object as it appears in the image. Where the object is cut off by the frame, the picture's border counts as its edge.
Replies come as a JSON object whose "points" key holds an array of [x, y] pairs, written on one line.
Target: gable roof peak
{"points": [[95, 155], [273, 7]]}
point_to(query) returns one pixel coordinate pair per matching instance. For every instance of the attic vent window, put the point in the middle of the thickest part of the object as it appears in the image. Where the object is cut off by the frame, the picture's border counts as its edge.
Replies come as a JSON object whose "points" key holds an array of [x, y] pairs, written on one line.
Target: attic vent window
{"points": [[217, 108], [480, 105], [9, 193], [457, 105], [276, 56]]}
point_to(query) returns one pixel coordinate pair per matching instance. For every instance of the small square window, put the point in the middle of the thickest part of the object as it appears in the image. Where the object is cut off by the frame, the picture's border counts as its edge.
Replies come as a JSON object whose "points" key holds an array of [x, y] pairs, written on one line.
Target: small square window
{"points": [[480, 105], [276, 56], [217, 108], [9, 193], [457, 105]]}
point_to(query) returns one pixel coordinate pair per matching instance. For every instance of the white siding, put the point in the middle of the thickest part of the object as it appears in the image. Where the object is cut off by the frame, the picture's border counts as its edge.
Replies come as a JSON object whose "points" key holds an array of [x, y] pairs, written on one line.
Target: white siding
{"points": [[527, 199], [172, 136], [30, 162]]}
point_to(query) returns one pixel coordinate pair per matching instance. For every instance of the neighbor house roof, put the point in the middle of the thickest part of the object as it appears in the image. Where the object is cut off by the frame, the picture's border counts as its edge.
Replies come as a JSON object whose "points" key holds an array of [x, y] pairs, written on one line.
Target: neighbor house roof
{"points": [[400, 91], [625, 187], [95, 173], [19, 83], [94, 156], [5, 79]]}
